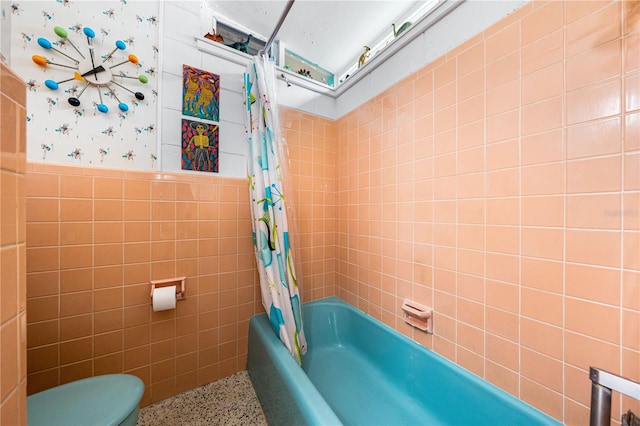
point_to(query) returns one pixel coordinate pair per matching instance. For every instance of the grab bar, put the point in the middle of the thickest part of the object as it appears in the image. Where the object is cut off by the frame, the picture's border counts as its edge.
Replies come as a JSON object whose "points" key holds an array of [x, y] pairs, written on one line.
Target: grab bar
{"points": [[602, 383]]}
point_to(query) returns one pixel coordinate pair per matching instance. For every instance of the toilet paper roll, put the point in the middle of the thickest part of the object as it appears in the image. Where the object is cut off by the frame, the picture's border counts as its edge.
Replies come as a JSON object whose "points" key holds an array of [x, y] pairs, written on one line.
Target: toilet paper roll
{"points": [[164, 298]]}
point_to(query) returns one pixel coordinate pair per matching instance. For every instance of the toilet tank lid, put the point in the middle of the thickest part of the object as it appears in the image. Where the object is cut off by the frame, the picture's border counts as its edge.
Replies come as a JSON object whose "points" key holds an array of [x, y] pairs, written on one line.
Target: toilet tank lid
{"points": [[100, 400]]}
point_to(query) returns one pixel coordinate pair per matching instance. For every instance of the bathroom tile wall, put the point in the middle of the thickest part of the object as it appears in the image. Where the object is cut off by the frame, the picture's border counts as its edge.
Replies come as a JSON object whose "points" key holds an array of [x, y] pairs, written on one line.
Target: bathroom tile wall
{"points": [[312, 146], [97, 236], [500, 185], [13, 317]]}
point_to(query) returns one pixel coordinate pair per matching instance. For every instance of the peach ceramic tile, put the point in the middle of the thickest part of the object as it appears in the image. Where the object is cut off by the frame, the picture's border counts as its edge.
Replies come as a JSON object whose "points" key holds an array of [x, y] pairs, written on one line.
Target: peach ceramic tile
{"points": [[541, 337], [542, 306], [444, 165], [539, 396], [502, 267], [544, 179], [542, 369], [471, 85], [587, 30], [630, 211], [137, 189], [583, 351], [592, 283], [76, 186], [630, 290], [503, 98], [542, 147], [503, 324], [632, 132], [107, 210], [599, 211], [542, 116], [503, 70], [108, 276], [632, 171], [108, 187], [593, 102], [543, 211], [502, 377], [444, 73], [631, 329], [543, 84], [594, 138], [503, 211], [593, 247], [470, 236], [471, 185], [503, 183], [594, 175], [137, 210], [42, 284], [542, 21], [471, 262], [631, 48], [43, 234], [444, 142], [503, 296], [108, 232], [543, 52], [470, 361], [503, 239], [543, 242], [580, 73], [76, 350], [503, 155], [470, 111], [74, 233], [42, 210], [108, 254], [443, 97], [502, 42], [471, 59], [76, 210], [74, 280], [471, 338], [503, 126], [502, 351], [631, 250], [42, 259], [579, 315], [42, 185]]}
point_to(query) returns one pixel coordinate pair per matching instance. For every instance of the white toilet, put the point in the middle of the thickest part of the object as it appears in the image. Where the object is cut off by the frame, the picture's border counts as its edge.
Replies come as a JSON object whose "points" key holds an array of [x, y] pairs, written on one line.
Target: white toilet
{"points": [[108, 400]]}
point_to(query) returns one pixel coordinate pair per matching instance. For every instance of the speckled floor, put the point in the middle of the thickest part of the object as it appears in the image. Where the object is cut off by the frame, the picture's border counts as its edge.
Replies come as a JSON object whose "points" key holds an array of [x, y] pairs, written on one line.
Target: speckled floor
{"points": [[229, 401]]}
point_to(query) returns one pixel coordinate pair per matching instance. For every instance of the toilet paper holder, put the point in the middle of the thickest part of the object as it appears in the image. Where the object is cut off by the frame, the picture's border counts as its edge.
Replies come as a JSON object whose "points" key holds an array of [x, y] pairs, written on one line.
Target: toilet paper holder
{"points": [[178, 282]]}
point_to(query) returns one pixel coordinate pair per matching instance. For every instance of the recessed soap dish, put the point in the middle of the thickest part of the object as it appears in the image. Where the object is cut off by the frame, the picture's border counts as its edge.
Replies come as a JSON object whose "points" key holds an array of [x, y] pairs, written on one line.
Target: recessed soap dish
{"points": [[418, 315]]}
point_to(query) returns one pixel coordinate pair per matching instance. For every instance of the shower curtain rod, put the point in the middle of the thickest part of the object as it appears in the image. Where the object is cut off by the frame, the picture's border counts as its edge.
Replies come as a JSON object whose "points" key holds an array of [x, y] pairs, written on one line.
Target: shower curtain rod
{"points": [[285, 12]]}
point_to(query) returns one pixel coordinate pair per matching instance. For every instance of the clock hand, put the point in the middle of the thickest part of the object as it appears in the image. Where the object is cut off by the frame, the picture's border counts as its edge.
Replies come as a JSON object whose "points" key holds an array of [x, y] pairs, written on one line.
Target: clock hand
{"points": [[90, 35], [96, 70]]}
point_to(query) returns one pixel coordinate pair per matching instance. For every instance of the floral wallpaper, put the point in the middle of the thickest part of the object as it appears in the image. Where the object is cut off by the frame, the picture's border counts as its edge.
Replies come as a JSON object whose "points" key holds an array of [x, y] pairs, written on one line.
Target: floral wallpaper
{"points": [[70, 118]]}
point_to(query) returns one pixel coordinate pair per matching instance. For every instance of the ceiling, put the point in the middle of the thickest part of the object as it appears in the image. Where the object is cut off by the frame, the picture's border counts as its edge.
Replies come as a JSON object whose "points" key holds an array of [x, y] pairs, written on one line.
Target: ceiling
{"points": [[330, 33]]}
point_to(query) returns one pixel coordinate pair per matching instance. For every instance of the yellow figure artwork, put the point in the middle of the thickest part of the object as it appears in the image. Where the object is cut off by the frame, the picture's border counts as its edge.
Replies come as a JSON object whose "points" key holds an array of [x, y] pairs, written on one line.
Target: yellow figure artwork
{"points": [[199, 146]]}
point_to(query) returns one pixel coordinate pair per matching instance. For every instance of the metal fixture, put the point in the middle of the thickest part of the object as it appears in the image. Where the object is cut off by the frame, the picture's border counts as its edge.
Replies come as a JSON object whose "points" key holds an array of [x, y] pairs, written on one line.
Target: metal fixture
{"points": [[285, 12], [602, 383]]}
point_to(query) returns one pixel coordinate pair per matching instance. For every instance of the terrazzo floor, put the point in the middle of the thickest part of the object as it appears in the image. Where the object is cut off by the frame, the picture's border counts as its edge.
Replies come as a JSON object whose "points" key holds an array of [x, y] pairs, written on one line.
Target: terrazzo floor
{"points": [[229, 401]]}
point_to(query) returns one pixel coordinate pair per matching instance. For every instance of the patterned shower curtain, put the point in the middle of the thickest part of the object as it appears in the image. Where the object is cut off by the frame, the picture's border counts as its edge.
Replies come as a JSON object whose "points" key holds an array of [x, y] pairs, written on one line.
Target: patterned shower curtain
{"points": [[278, 283]]}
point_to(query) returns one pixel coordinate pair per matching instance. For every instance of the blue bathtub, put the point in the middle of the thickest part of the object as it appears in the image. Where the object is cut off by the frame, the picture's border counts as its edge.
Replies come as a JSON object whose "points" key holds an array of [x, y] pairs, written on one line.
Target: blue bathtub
{"points": [[358, 371]]}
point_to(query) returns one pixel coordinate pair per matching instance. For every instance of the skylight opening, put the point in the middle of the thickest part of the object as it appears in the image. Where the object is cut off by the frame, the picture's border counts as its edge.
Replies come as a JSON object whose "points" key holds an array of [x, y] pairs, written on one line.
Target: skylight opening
{"points": [[389, 37]]}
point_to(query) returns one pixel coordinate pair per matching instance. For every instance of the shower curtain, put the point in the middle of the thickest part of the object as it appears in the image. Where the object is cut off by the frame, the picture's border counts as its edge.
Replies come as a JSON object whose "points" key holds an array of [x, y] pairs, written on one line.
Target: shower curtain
{"points": [[278, 283]]}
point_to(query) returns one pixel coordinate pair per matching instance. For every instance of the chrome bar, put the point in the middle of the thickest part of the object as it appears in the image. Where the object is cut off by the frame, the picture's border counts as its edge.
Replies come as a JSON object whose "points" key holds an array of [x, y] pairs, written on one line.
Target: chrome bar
{"points": [[602, 383], [285, 12]]}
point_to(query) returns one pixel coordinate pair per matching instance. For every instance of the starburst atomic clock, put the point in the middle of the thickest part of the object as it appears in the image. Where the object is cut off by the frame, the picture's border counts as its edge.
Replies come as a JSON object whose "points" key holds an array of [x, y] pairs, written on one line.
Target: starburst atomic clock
{"points": [[91, 70]]}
